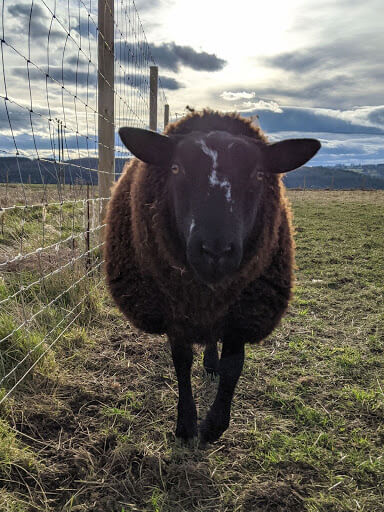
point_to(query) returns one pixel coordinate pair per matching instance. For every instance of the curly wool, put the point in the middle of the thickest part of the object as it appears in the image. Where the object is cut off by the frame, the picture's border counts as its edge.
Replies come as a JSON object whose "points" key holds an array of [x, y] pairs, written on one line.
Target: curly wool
{"points": [[146, 267]]}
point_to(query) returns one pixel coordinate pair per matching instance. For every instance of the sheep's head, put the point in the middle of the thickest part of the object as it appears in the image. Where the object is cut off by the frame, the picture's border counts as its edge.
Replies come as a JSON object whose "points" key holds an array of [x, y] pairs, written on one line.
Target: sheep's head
{"points": [[216, 181]]}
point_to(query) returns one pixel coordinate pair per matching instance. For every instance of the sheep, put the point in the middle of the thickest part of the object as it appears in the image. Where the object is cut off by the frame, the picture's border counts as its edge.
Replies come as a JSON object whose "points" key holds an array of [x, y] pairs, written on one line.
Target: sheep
{"points": [[199, 246]]}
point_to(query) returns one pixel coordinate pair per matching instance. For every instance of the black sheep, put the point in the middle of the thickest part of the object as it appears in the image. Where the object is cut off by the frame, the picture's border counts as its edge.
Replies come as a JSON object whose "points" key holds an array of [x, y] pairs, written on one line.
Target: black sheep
{"points": [[199, 245]]}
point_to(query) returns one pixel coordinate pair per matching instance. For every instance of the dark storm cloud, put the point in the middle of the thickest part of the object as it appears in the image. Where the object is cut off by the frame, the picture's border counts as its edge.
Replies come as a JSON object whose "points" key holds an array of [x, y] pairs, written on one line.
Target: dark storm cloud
{"points": [[170, 83], [35, 20], [171, 56], [136, 80]]}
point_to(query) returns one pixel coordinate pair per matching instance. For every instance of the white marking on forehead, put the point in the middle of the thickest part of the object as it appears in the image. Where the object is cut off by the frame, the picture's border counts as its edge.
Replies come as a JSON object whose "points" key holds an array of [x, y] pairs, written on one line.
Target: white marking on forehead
{"points": [[210, 152], [222, 183], [214, 179], [191, 227]]}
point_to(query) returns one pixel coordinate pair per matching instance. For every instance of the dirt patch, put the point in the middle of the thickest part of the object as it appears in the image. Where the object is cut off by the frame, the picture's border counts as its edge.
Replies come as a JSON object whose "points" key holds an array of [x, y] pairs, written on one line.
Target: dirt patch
{"points": [[279, 496]]}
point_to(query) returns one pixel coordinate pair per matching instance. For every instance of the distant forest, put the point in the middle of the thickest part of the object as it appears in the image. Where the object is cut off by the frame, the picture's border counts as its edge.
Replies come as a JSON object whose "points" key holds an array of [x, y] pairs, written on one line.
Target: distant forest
{"points": [[15, 170]]}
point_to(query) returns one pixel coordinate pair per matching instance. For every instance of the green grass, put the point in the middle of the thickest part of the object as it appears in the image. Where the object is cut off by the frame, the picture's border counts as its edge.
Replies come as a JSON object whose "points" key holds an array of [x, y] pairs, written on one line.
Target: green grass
{"points": [[307, 429], [43, 292]]}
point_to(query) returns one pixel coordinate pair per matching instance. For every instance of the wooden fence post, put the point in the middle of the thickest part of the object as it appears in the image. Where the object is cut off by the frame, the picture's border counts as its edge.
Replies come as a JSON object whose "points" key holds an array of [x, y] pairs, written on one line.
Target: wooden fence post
{"points": [[106, 110], [166, 115], [153, 86]]}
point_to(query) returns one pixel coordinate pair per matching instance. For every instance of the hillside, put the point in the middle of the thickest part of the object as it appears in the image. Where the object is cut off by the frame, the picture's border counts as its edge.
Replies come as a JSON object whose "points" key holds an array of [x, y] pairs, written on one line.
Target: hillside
{"points": [[336, 178], [80, 170], [83, 170]]}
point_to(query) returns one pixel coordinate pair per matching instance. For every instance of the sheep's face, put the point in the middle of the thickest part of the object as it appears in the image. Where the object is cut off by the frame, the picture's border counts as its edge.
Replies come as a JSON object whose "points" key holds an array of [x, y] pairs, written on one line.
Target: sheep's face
{"points": [[214, 198], [216, 182]]}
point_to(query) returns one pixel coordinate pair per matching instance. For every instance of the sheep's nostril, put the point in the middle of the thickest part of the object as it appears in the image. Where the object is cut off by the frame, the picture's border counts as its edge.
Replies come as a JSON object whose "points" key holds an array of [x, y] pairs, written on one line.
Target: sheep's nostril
{"points": [[213, 259], [205, 249], [217, 253]]}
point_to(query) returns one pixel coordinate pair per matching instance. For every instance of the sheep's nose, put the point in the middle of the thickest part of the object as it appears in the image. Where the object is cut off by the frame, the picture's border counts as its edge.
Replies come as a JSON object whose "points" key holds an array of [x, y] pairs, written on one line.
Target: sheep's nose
{"points": [[213, 259], [216, 252]]}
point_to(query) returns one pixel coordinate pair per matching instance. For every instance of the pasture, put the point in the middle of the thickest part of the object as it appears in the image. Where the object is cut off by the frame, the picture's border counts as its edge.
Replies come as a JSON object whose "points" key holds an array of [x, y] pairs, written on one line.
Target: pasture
{"points": [[90, 428]]}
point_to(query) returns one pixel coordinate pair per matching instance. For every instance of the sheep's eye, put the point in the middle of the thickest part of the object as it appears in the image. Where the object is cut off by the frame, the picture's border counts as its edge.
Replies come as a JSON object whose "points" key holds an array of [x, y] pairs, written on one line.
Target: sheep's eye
{"points": [[258, 175], [175, 169]]}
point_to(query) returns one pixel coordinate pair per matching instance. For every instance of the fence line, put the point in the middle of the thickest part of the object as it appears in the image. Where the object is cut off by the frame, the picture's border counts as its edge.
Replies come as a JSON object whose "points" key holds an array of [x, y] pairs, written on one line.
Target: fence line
{"points": [[53, 119]]}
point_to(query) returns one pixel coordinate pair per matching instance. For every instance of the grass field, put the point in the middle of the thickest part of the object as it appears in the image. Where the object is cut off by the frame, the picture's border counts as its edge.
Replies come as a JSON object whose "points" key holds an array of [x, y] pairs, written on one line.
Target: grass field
{"points": [[91, 429]]}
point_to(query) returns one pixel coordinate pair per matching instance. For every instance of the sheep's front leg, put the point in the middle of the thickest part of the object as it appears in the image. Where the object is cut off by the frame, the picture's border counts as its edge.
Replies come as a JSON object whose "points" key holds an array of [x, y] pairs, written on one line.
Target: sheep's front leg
{"points": [[182, 356], [230, 367]]}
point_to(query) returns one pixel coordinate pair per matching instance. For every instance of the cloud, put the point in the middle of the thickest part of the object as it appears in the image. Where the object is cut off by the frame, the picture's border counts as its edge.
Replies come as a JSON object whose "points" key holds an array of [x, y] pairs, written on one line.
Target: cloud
{"points": [[86, 28], [354, 149], [234, 96], [342, 148], [339, 90], [21, 119], [34, 20], [273, 106], [312, 119], [142, 81], [340, 53], [376, 116], [350, 135], [146, 5], [62, 75], [170, 83], [171, 56], [342, 71], [26, 143]]}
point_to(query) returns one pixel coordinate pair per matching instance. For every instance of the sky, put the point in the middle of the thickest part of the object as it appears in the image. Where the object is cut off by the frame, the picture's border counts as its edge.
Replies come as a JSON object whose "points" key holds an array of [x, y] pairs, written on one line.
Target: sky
{"points": [[306, 68]]}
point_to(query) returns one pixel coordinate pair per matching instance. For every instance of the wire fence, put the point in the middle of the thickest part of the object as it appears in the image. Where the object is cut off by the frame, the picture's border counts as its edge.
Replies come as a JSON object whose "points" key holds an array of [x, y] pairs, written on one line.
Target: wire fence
{"points": [[54, 63]]}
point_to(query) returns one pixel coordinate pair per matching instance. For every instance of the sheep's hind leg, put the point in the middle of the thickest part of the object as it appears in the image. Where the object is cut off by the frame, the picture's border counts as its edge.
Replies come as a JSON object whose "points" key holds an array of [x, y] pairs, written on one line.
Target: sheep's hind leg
{"points": [[211, 360], [230, 367], [182, 356]]}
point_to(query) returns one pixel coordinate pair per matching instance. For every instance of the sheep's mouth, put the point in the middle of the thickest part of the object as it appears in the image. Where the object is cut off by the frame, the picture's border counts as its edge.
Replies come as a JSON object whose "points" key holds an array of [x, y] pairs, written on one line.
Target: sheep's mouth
{"points": [[211, 275]]}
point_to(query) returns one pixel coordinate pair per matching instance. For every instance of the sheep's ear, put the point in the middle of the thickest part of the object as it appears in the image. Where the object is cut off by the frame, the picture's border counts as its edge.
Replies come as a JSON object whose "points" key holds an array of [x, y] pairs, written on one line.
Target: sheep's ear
{"points": [[150, 147], [289, 154]]}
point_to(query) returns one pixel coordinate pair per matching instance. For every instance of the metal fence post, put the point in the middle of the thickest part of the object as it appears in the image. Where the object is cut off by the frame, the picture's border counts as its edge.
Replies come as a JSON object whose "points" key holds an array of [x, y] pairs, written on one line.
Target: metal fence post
{"points": [[106, 110], [153, 86]]}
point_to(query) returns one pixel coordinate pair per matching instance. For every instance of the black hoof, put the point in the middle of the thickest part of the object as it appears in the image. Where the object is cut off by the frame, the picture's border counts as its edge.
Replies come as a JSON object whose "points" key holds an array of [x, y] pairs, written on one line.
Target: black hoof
{"points": [[186, 433], [210, 430], [212, 373], [191, 443]]}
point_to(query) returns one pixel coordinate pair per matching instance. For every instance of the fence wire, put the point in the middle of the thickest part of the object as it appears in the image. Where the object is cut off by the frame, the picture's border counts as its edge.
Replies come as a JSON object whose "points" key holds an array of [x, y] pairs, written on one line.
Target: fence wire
{"points": [[50, 222]]}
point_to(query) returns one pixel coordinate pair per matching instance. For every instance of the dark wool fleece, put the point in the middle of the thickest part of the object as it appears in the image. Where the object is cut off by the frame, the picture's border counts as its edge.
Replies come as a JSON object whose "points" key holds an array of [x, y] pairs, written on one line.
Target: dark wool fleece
{"points": [[146, 268]]}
